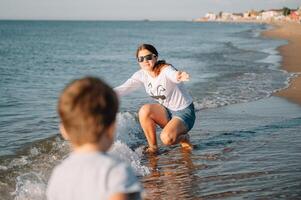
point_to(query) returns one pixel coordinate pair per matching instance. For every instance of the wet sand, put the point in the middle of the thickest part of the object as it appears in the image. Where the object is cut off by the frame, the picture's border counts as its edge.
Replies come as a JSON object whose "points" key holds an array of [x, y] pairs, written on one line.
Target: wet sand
{"points": [[291, 56]]}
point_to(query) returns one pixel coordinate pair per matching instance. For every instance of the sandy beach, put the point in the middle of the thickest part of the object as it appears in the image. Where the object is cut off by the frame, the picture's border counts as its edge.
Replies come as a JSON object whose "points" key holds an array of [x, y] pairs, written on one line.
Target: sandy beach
{"points": [[291, 56]]}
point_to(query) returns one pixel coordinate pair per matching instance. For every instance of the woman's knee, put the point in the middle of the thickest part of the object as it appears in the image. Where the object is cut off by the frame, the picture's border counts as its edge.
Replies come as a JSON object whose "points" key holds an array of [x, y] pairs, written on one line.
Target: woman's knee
{"points": [[167, 138], [145, 111]]}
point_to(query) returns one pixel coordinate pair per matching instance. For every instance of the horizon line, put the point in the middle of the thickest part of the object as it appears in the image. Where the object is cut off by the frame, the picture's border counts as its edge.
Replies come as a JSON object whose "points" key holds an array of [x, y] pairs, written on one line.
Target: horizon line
{"points": [[151, 20]]}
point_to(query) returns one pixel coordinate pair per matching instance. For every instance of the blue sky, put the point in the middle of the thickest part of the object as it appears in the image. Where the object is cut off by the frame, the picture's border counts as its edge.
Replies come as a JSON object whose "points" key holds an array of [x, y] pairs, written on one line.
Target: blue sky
{"points": [[130, 9]]}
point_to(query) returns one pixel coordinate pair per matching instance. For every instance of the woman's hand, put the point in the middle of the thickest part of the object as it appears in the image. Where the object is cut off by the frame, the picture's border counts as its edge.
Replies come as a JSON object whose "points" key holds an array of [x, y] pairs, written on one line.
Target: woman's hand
{"points": [[182, 76]]}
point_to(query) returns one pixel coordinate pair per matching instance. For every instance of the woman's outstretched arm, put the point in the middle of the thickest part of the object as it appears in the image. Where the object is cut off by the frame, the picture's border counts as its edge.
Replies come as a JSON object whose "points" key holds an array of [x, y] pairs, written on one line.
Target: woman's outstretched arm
{"points": [[176, 76], [130, 85]]}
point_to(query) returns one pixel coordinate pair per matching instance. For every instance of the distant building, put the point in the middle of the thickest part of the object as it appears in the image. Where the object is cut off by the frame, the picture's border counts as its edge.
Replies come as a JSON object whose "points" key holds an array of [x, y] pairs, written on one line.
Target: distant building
{"points": [[211, 16], [226, 16], [270, 14], [295, 16], [280, 18], [252, 14], [246, 15], [299, 11], [237, 16]]}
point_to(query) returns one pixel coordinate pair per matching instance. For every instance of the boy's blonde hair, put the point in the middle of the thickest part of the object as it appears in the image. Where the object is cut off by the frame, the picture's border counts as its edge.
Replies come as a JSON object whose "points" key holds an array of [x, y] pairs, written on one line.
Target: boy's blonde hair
{"points": [[87, 107]]}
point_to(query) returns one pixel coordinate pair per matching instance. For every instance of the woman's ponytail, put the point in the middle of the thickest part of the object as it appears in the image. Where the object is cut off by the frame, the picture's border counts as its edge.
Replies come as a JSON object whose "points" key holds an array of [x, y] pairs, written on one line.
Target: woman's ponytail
{"points": [[159, 64]]}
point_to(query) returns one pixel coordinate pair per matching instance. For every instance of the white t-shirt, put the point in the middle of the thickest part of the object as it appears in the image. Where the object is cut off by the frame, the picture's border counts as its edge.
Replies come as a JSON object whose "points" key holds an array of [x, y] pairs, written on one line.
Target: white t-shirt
{"points": [[165, 88], [92, 176]]}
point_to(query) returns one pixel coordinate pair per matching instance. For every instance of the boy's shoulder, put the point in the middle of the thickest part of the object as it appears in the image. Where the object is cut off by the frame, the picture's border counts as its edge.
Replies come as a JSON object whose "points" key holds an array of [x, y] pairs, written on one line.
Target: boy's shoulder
{"points": [[90, 160], [93, 172], [100, 164]]}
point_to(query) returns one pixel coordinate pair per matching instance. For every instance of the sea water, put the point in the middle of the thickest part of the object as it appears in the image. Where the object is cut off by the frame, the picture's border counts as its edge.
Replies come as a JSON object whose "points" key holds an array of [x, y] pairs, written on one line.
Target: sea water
{"points": [[229, 64]]}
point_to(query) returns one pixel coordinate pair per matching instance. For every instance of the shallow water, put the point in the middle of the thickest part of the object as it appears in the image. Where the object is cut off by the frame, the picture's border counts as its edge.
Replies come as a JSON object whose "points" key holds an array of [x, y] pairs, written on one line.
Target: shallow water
{"points": [[246, 143], [228, 63], [249, 151]]}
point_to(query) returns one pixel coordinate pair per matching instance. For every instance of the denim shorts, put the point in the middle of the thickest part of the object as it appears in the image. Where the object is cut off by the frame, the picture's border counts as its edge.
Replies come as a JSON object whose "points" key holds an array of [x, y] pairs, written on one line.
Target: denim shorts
{"points": [[186, 115]]}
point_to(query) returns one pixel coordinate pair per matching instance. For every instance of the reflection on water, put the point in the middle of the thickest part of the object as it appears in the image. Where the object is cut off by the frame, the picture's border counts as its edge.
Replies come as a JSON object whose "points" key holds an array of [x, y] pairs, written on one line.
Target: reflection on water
{"points": [[172, 176], [246, 151], [225, 172], [258, 160]]}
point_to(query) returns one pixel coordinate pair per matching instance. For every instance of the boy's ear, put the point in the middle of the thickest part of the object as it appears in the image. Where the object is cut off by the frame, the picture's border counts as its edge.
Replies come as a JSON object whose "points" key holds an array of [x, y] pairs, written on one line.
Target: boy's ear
{"points": [[64, 132]]}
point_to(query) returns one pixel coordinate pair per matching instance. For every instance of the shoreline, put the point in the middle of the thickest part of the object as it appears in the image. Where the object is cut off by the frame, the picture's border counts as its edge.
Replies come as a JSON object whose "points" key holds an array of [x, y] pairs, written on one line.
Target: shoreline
{"points": [[291, 57]]}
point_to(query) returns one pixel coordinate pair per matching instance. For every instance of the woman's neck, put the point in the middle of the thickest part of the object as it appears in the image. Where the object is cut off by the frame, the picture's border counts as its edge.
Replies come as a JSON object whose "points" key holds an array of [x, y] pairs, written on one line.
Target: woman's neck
{"points": [[156, 71], [152, 73]]}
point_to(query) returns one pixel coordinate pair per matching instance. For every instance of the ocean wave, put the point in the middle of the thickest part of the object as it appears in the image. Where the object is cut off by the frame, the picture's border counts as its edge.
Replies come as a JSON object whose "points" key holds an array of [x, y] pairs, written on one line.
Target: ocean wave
{"points": [[30, 186], [32, 183], [243, 88], [128, 129], [30, 169]]}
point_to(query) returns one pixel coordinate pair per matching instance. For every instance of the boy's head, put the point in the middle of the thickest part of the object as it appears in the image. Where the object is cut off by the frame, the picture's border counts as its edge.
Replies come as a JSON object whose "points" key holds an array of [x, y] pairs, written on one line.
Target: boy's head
{"points": [[87, 108]]}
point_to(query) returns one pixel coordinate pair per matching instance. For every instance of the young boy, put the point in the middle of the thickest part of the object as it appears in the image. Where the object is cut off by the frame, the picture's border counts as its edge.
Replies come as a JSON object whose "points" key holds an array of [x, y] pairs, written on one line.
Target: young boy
{"points": [[87, 108]]}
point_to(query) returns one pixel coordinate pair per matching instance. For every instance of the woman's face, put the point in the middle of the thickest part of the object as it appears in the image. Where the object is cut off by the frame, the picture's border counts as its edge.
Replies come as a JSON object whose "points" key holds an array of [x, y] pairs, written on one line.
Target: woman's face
{"points": [[146, 59]]}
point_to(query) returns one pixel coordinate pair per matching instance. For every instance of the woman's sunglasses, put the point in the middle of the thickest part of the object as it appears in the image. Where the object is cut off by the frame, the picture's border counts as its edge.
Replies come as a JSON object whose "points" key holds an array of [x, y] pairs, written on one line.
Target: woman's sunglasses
{"points": [[147, 57]]}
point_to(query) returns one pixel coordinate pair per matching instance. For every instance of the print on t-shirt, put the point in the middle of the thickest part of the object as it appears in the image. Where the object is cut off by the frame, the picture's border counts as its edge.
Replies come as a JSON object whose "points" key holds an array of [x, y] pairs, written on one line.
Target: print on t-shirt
{"points": [[157, 93]]}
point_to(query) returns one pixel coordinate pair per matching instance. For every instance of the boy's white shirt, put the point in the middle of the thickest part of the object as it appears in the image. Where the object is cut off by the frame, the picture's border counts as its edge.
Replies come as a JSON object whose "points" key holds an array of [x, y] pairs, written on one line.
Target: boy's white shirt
{"points": [[165, 88], [91, 176]]}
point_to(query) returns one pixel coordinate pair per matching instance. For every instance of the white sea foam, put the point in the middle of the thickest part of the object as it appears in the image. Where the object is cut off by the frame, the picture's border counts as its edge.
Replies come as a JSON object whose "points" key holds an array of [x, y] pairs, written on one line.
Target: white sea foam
{"points": [[273, 58], [128, 128], [288, 81], [30, 186], [3, 167], [34, 151], [256, 32], [19, 162], [133, 158], [129, 134], [206, 103], [244, 88], [272, 50]]}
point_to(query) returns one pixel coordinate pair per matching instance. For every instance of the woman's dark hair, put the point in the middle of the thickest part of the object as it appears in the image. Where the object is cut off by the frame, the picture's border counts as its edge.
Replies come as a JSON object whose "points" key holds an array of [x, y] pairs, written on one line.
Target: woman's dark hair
{"points": [[159, 64]]}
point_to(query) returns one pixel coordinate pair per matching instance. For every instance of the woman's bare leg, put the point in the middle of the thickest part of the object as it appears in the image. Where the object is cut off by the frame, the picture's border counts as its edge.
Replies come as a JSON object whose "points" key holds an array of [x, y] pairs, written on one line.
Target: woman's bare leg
{"points": [[149, 116], [175, 132]]}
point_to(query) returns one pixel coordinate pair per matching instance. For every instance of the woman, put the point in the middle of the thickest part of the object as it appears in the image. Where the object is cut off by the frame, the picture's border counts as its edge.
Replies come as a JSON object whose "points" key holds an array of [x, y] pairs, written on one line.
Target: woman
{"points": [[174, 112]]}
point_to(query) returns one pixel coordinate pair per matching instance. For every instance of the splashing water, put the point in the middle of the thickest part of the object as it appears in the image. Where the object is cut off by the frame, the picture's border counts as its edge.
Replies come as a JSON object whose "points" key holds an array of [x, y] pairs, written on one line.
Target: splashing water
{"points": [[37, 164], [123, 152], [30, 186]]}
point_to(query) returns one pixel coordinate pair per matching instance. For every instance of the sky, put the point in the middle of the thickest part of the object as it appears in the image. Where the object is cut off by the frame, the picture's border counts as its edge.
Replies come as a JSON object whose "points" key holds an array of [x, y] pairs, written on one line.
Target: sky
{"points": [[130, 9]]}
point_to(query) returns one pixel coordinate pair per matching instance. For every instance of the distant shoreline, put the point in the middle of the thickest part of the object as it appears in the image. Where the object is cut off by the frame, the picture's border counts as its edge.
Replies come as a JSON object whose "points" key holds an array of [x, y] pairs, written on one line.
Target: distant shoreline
{"points": [[291, 57], [290, 53], [91, 20], [254, 21]]}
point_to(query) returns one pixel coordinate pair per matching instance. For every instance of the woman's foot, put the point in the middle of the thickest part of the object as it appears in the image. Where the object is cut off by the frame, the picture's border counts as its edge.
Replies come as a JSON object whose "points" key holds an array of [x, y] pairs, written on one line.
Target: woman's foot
{"points": [[185, 142], [151, 150]]}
